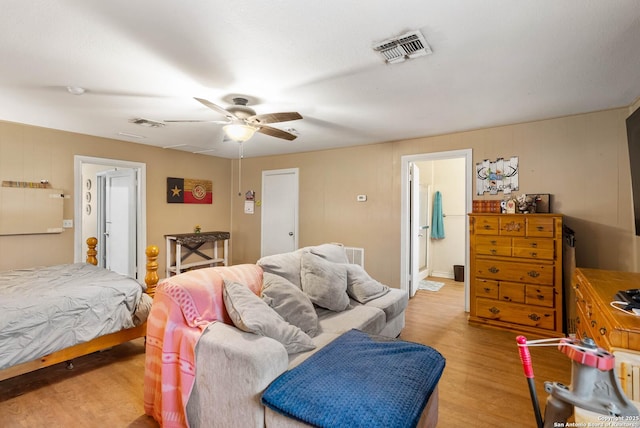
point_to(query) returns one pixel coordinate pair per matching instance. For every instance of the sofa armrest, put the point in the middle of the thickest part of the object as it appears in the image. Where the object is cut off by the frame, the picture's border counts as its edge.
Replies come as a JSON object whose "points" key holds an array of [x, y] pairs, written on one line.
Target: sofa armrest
{"points": [[233, 368]]}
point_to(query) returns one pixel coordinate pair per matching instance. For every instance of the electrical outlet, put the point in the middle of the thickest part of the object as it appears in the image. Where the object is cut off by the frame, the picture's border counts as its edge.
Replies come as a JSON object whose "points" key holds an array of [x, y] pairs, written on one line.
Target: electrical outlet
{"points": [[67, 224], [361, 198]]}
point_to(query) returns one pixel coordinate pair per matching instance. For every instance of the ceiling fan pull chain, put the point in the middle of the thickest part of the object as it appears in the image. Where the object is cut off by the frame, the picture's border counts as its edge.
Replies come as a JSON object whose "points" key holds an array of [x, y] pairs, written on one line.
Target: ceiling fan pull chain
{"points": [[240, 156]]}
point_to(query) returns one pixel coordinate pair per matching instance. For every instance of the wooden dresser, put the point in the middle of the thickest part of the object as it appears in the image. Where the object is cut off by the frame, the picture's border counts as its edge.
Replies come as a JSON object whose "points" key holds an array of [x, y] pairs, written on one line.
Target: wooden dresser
{"points": [[595, 318], [516, 272]]}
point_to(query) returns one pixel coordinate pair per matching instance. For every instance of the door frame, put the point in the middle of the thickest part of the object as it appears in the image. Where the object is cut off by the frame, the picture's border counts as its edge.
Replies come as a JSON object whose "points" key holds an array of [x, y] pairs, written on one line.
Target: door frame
{"points": [[141, 211], [405, 242], [296, 174]]}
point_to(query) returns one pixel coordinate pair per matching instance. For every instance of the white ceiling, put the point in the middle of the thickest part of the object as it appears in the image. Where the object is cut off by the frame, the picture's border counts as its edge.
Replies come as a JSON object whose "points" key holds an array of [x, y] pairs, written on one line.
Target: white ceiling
{"points": [[494, 62]]}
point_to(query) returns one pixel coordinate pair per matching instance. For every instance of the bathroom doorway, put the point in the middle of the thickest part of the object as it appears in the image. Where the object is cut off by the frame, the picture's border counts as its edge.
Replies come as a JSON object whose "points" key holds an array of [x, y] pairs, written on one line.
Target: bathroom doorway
{"points": [[450, 174]]}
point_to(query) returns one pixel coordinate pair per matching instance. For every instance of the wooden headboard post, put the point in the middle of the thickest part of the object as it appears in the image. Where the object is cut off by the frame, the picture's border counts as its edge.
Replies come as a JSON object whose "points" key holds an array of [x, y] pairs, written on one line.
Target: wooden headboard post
{"points": [[92, 252], [151, 278]]}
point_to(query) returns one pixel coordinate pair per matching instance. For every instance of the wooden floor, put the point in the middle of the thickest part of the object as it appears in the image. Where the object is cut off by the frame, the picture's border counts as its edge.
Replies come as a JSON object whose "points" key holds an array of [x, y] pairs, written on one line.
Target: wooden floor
{"points": [[483, 384]]}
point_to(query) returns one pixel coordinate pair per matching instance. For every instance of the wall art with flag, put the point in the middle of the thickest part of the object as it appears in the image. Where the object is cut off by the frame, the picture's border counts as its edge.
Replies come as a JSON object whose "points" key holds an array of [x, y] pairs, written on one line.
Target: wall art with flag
{"points": [[189, 191]]}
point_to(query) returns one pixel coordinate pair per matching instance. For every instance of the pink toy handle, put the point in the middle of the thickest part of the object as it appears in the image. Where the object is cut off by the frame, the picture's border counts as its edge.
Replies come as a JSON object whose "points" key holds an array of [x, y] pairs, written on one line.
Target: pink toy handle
{"points": [[525, 356]]}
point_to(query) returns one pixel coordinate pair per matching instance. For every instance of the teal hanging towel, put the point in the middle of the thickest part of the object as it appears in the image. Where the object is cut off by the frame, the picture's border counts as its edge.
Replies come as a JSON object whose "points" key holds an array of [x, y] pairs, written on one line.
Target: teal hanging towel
{"points": [[437, 221]]}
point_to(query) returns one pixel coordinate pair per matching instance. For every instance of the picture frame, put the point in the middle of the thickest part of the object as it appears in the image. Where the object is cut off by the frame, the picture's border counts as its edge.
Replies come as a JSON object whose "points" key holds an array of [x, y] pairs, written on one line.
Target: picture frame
{"points": [[543, 202]]}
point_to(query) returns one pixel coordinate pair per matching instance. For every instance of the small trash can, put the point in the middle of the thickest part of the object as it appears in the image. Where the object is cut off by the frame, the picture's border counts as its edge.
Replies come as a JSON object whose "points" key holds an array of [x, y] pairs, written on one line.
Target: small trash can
{"points": [[458, 273]]}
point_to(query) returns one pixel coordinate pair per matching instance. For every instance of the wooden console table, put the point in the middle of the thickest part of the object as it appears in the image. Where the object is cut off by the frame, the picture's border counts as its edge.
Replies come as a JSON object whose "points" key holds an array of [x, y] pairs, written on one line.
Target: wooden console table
{"points": [[192, 243]]}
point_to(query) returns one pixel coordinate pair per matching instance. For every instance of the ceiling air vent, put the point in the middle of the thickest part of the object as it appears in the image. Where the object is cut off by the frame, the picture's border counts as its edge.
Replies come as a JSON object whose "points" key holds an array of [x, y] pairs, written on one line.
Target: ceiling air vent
{"points": [[147, 123], [408, 45]]}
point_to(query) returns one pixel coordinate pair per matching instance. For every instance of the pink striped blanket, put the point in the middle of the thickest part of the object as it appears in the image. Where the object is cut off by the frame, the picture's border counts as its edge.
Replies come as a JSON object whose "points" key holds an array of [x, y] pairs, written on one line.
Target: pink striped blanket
{"points": [[183, 306]]}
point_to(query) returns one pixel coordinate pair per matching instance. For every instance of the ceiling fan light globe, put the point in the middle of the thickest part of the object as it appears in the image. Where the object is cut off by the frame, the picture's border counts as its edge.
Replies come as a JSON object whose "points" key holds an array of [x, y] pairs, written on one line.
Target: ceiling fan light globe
{"points": [[239, 133]]}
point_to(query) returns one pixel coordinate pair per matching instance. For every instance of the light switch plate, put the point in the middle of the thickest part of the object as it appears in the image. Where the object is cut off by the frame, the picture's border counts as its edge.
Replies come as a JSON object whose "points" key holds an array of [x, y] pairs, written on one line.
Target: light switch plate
{"points": [[67, 224], [361, 198]]}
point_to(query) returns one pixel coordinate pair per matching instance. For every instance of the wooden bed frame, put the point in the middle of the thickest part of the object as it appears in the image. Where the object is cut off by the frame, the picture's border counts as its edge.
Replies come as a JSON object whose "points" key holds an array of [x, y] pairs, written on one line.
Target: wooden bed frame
{"points": [[99, 343]]}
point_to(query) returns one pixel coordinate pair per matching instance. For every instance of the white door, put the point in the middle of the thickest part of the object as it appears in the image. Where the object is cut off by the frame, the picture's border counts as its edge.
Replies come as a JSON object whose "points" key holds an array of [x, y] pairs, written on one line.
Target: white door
{"points": [[117, 220], [279, 211]]}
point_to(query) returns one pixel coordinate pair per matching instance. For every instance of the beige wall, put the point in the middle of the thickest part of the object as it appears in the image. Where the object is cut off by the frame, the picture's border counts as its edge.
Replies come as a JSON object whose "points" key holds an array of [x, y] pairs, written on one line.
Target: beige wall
{"points": [[581, 160], [30, 154]]}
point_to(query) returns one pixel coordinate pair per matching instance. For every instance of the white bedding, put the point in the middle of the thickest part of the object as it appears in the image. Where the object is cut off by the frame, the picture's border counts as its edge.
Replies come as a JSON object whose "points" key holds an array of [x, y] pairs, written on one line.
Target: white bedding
{"points": [[43, 310]]}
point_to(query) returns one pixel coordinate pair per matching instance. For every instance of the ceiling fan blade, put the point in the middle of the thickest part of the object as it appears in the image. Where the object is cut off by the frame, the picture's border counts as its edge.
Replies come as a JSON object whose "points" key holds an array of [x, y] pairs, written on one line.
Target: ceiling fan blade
{"points": [[219, 122], [215, 107], [274, 117], [275, 132]]}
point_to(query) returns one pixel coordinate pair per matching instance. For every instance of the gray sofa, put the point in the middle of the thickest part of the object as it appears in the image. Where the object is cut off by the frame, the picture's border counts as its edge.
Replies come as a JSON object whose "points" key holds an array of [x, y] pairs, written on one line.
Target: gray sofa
{"points": [[234, 367]]}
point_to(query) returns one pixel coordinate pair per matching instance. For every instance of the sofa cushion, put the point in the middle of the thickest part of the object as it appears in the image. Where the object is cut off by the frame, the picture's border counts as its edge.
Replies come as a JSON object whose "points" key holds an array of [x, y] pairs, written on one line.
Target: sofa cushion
{"points": [[365, 318], [324, 282], [393, 303], [286, 265], [332, 252], [249, 313], [290, 303], [361, 287]]}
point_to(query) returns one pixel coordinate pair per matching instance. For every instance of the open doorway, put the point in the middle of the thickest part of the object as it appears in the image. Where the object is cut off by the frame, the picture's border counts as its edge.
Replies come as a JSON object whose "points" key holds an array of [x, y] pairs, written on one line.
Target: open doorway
{"points": [[93, 208], [422, 176]]}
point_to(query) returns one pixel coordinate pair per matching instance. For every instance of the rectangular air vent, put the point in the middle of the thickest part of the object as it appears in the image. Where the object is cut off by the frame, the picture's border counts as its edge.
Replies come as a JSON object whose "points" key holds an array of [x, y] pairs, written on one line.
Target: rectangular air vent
{"points": [[355, 255], [408, 45]]}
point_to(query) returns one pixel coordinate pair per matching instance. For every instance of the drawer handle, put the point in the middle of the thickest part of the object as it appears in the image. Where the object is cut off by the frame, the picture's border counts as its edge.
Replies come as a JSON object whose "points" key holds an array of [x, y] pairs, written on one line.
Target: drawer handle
{"points": [[540, 228], [494, 310], [577, 320], [540, 296], [507, 298], [534, 245], [494, 242], [494, 269], [487, 290], [487, 227], [603, 331], [534, 317], [493, 251], [593, 323], [533, 254], [533, 274]]}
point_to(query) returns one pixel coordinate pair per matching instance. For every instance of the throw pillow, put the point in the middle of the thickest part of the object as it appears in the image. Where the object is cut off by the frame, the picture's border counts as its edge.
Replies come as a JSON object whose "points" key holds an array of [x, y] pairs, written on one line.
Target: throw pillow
{"points": [[249, 313], [290, 303], [286, 265], [324, 282], [361, 287], [332, 252]]}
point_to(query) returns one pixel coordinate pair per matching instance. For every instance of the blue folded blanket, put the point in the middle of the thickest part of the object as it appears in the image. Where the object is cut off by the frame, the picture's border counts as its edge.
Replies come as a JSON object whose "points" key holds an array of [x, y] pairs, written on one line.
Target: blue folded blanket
{"points": [[359, 380]]}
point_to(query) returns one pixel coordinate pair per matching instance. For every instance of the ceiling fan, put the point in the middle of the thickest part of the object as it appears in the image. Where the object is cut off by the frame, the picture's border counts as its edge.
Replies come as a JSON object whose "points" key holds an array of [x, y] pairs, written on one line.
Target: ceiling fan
{"points": [[242, 121]]}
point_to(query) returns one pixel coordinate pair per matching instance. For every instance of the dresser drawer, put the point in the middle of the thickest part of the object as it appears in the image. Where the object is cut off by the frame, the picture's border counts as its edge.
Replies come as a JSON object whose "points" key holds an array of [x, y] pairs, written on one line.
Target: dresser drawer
{"points": [[513, 271], [487, 225], [493, 245], [539, 295], [511, 292], [534, 248], [516, 313], [486, 288], [540, 227]]}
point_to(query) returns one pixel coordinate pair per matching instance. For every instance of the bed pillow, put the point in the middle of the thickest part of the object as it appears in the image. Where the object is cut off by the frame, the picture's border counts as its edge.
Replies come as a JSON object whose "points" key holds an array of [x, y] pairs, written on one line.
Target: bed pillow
{"points": [[332, 252], [324, 282], [290, 303], [249, 313], [361, 287]]}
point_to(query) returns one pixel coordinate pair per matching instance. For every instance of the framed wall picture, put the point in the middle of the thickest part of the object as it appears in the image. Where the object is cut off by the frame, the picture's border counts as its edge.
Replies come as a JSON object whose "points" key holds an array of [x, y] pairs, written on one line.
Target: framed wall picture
{"points": [[543, 202]]}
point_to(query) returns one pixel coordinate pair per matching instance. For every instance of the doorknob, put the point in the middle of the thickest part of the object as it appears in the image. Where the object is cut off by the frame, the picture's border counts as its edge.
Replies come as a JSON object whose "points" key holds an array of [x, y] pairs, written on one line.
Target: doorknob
{"points": [[290, 233]]}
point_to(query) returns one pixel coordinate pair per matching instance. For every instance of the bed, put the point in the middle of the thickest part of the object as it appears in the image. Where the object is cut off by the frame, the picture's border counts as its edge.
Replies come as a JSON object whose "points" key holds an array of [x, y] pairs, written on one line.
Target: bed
{"points": [[53, 314]]}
